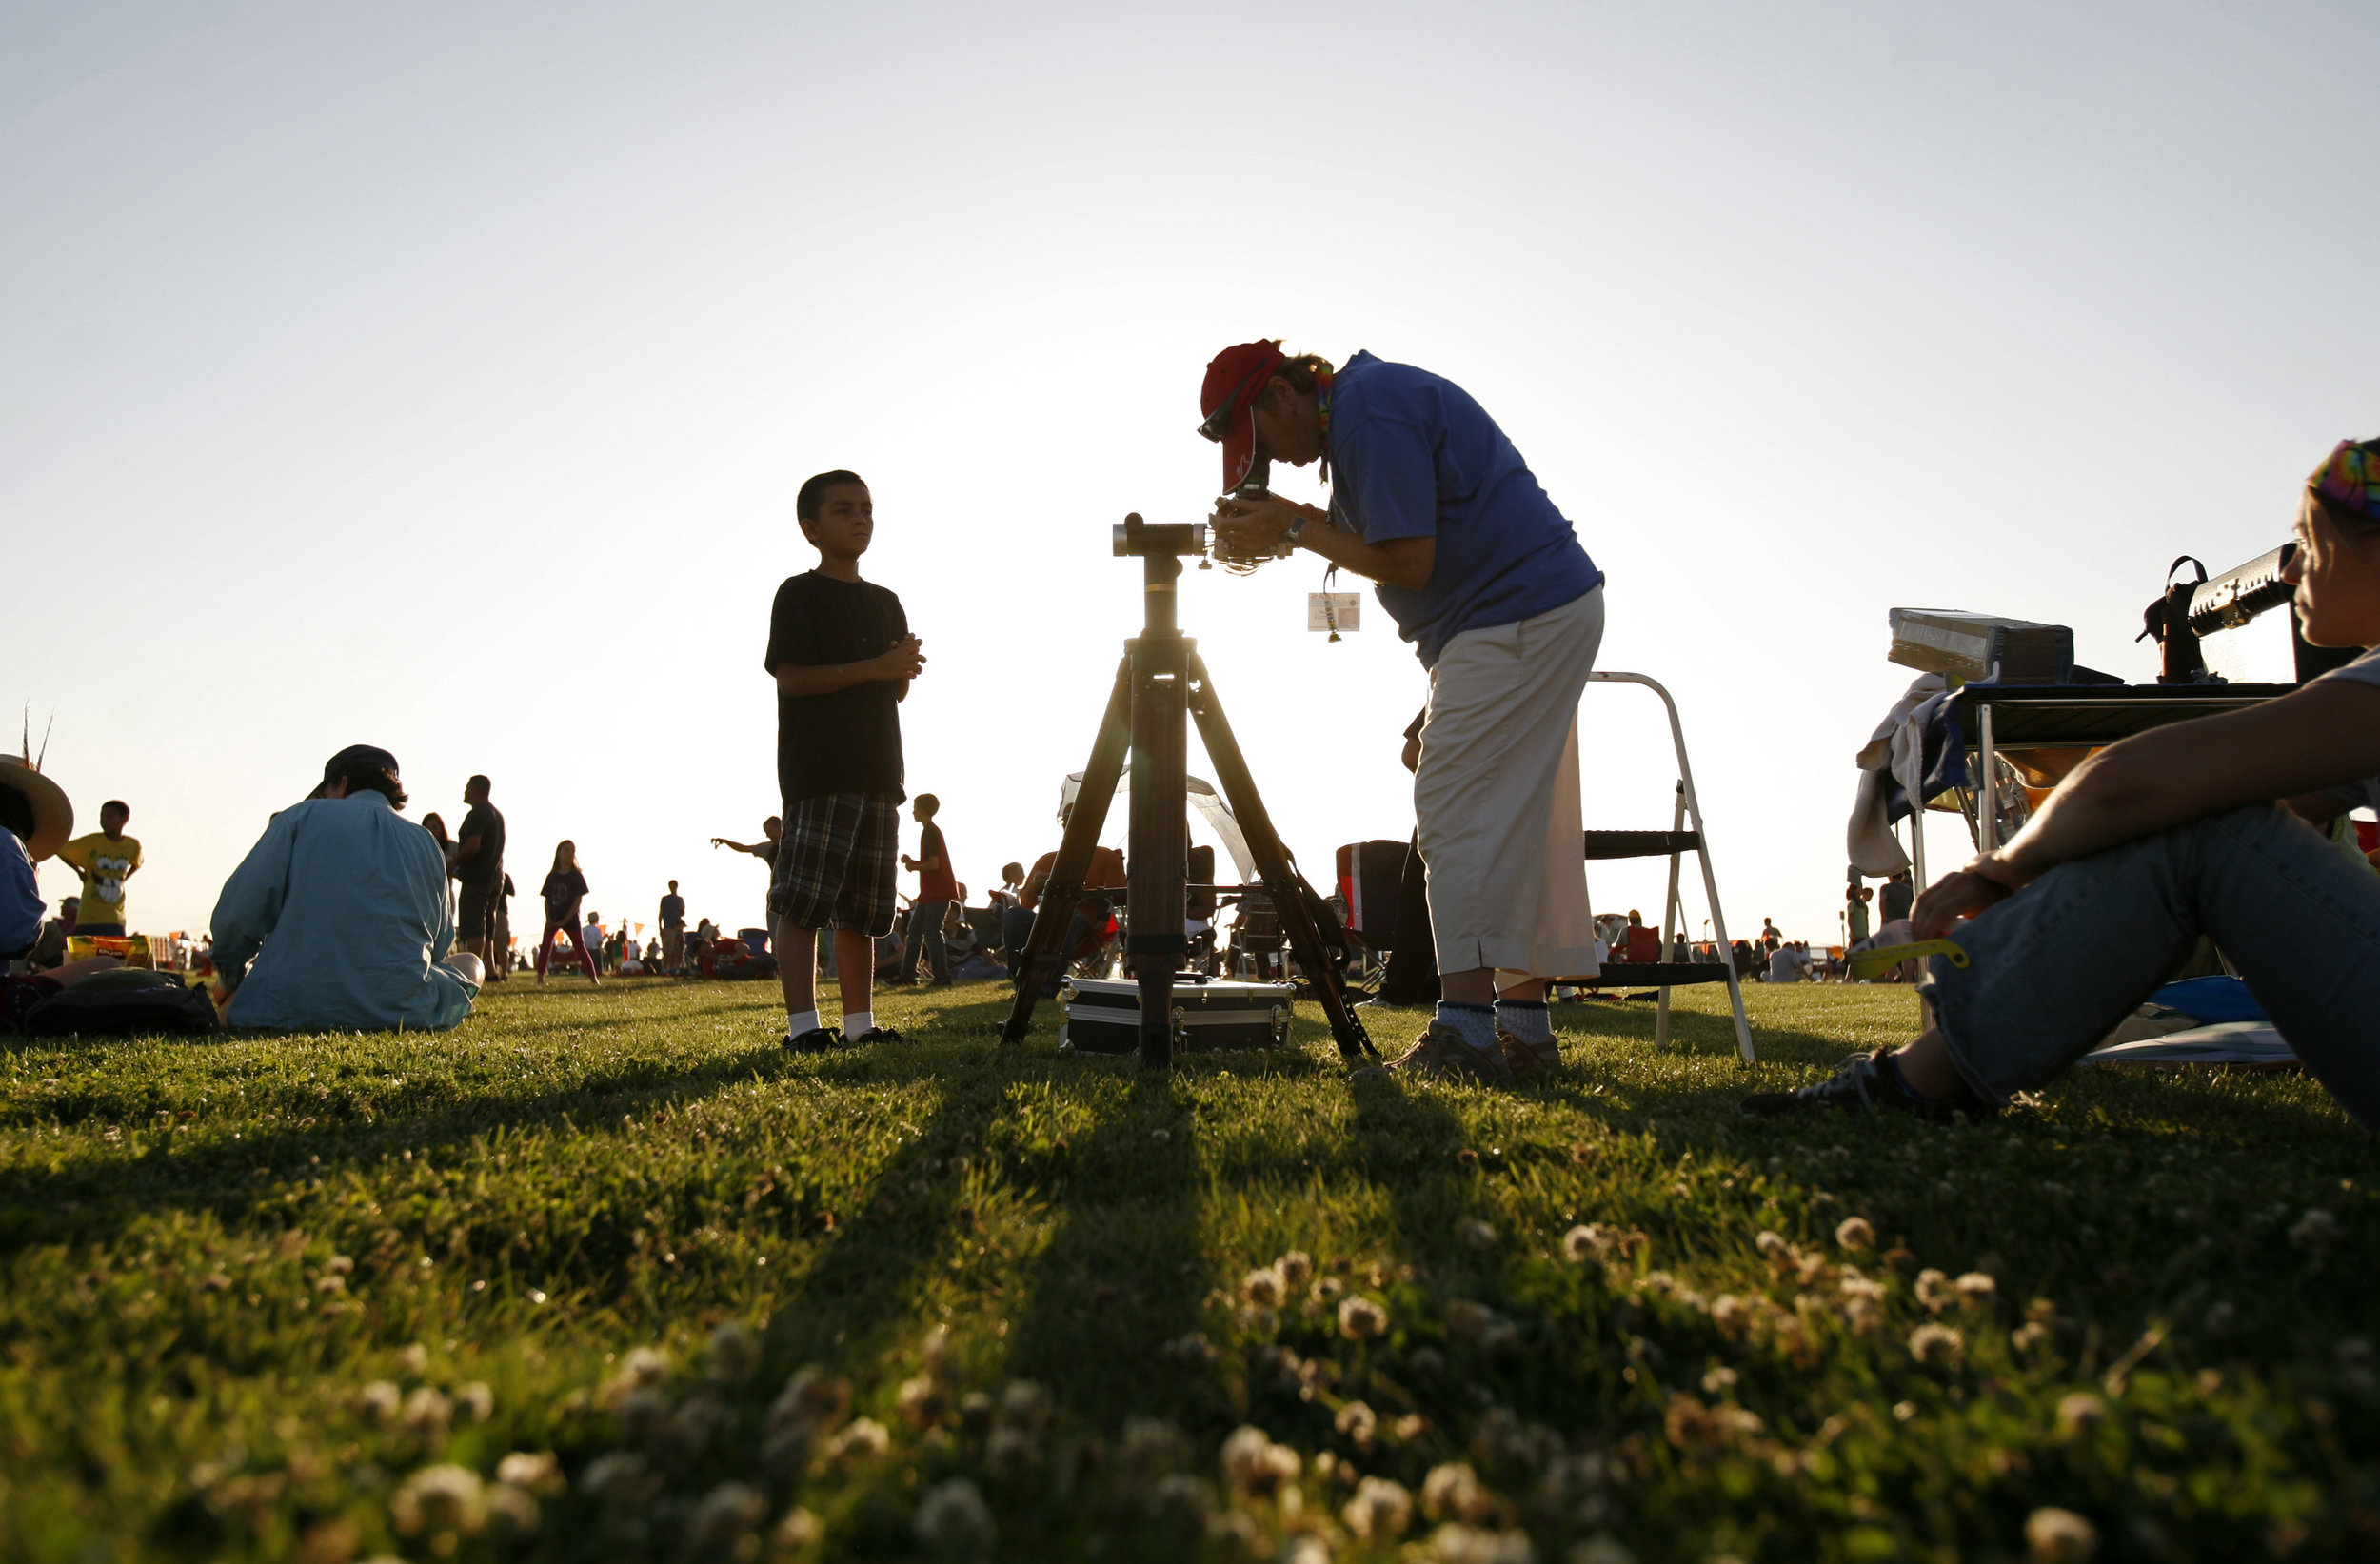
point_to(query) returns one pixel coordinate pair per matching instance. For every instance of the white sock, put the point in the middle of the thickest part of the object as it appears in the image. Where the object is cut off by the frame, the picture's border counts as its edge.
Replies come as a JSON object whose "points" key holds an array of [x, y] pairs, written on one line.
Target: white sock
{"points": [[799, 1021], [856, 1023]]}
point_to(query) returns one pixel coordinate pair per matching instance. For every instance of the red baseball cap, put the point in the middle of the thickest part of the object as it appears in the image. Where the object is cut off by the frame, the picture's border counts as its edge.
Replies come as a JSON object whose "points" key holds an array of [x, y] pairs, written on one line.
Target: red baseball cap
{"points": [[1234, 377]]}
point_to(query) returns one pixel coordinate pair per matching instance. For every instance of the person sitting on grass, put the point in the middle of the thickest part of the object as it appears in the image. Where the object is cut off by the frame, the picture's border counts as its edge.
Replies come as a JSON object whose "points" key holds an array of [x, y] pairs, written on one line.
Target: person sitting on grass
{"points": [[2203, 827], [35, 820], [338, 920]]}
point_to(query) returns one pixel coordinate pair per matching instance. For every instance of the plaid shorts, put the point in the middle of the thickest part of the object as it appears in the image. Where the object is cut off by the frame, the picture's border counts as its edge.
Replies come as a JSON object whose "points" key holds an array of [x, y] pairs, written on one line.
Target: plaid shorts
{"points": [[837, 862]]}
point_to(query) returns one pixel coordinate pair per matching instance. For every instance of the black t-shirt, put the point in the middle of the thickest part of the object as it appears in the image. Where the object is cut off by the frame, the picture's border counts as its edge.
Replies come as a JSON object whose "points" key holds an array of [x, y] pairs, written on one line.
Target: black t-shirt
{"points": [[1895, 901], [848, 741], [673, 912], [486, 866]]}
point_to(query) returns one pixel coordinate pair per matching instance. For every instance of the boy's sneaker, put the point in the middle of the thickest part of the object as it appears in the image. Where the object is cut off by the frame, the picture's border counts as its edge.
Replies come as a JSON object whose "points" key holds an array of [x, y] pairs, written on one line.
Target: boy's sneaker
{"points": [[1440, 1052], [1861, 1084], [818, 1039], [875, 1034], [1529, 1059]]}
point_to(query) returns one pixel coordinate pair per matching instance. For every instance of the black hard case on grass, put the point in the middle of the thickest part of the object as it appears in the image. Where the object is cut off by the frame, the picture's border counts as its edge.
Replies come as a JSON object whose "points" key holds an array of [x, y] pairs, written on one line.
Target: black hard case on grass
{"points": [[1102, 1015]]}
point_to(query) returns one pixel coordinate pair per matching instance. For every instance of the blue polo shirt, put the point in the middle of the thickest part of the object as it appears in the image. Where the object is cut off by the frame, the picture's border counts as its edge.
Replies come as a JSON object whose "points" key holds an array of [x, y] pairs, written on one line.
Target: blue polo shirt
{"points": [[1414, 456]]}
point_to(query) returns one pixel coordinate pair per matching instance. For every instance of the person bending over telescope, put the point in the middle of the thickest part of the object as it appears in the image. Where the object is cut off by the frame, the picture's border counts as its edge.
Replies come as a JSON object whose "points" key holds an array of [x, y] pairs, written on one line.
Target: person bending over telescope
{"points": [[338, 920], [2202, 827], [1488, 581]]}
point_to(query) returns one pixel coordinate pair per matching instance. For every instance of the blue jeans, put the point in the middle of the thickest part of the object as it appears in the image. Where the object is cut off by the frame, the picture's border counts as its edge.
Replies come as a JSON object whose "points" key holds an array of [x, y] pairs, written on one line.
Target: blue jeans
{"points": [[2055, 967], [926, 926]]}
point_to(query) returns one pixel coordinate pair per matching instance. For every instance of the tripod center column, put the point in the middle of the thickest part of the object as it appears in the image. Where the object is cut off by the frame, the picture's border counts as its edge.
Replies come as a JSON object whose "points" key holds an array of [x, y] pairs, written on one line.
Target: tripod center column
{"points": [[1157, 898]]}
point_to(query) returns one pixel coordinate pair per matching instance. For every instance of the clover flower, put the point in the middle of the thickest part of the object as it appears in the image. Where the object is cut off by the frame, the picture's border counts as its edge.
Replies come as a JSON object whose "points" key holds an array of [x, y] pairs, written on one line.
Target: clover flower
{"points": [[953, 1519], [1150, 1445], [861, 1438], [1773, 1244], [1474, 1233], [516, 1509], [1358, 1422], [644, 1369], [1262, 1288], [799, 1529], [1296, 1268], [532, 1471], [1453, 1492], [2079, 1411], [1938, 1345], [2316, 1229], [1731, 1315], [1854, 1234], [1453, 1544], [734, 1354], [812, 1397], [1255, 1465], [379, 1400], [921, 1401], [1976, 1287], [413, 1360], [724, 1514], [1719, 1380], [2028, 1336], [1023, 1403], [1602, 1548], [438, 1499], [2059, 1537], [427, 1413], [1379, 1512], [1360, 1318]]}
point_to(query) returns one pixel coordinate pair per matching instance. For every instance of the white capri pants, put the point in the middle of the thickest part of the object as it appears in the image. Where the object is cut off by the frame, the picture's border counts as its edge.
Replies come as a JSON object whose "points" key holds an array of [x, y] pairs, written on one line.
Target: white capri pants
{"points": [[1496, 797]]}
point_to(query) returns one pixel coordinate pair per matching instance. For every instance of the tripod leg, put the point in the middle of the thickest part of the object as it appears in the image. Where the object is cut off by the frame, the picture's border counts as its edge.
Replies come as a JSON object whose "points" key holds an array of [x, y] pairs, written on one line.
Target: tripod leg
{"points": [[1044, 953], [1155, 946], [1288, 888]]}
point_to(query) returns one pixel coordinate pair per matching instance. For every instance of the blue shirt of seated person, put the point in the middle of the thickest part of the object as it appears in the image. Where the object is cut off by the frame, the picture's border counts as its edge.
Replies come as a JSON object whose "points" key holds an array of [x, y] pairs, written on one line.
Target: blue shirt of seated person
{"points": [[338, 919]]}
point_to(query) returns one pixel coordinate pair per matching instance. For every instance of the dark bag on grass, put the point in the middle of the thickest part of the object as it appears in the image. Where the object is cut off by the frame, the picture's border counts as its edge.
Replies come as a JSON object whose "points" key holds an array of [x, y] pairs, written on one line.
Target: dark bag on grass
{"points": [[127, 1002]]}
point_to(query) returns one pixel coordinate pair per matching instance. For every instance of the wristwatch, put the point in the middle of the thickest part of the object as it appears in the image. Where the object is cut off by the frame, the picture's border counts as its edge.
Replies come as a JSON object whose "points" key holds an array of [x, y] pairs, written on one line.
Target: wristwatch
{"points": [[1297, 529]]}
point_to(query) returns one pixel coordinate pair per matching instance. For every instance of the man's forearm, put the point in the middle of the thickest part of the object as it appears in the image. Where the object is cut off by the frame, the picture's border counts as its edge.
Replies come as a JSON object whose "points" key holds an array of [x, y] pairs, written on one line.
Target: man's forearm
{"points": [[1401, 562], [822, 678]]}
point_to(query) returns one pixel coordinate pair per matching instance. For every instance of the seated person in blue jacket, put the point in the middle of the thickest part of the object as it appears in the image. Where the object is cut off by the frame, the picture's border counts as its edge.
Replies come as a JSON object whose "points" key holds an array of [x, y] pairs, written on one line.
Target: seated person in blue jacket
{"points": [[2200, 827], [339, 918]]}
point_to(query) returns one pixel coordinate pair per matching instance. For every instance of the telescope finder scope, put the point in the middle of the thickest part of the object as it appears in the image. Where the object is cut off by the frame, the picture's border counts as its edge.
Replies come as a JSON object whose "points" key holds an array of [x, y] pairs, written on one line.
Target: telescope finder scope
{"points": [[1135, 537]]}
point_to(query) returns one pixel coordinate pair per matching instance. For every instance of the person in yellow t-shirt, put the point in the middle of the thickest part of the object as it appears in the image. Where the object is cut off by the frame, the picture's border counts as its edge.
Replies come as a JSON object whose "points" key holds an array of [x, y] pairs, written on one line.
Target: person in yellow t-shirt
{"points": [[105, 859]]}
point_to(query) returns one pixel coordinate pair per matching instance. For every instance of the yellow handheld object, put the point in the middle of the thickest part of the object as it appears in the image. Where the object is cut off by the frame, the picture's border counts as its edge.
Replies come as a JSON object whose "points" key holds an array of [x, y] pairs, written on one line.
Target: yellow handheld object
{"points": [[1871, 963]]}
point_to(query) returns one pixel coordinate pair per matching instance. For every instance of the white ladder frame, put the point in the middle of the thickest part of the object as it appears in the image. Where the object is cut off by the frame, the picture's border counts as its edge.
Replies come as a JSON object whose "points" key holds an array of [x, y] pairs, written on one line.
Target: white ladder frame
{"points": [[1690, 804]]}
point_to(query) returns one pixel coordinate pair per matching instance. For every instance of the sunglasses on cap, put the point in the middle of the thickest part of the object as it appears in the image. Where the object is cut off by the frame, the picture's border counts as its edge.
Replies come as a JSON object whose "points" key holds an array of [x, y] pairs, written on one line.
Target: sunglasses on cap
{"points": [[1216, 424]]}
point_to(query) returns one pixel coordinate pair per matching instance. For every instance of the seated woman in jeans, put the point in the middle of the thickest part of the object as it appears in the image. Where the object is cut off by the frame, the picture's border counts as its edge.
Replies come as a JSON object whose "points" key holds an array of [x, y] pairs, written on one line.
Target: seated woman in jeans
{"points": [[2197, 828]]}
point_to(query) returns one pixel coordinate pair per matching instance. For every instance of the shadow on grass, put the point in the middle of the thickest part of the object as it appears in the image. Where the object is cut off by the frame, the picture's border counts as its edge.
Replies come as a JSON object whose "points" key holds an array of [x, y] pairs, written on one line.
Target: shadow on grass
{"points": [[1123, 1276], [91, 1199], [858, 1296]]}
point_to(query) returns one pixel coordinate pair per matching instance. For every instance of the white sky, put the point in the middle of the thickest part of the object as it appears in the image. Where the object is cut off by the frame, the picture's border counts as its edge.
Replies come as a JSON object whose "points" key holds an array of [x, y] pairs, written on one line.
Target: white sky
{"points": [[440, 377]]}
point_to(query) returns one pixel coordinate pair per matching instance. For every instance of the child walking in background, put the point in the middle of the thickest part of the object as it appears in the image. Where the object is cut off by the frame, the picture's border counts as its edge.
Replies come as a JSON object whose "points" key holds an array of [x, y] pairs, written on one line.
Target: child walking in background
{"points": [[563, 889]]}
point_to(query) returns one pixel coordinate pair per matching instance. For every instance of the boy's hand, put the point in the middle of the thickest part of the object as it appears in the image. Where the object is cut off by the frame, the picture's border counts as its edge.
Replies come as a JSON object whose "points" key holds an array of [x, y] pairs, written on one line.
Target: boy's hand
{"points": [[906, 660]]}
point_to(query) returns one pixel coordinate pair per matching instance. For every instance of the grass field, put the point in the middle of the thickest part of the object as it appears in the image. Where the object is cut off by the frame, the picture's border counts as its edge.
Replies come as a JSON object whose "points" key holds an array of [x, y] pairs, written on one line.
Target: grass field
{"points": [[606, 1275]]}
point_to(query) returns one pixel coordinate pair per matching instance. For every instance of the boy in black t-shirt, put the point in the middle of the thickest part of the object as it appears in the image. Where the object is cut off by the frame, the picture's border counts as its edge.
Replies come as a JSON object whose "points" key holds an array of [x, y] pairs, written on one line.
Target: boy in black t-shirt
{"points": [[842, 654]]}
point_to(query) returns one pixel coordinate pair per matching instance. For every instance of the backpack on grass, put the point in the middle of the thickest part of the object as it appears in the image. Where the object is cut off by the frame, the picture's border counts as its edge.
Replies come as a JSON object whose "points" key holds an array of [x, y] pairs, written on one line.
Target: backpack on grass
{"points": [[127, 1002]]}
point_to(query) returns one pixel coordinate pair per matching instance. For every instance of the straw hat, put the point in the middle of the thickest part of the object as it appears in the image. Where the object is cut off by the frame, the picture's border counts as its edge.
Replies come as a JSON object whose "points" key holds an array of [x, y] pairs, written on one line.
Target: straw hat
{"points": [[53, 816]]}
